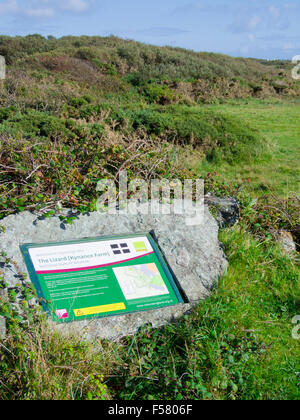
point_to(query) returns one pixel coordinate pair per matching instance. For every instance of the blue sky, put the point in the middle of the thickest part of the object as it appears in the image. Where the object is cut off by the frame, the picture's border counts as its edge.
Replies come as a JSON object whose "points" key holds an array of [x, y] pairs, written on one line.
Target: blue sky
{"points": [[253, 28]]}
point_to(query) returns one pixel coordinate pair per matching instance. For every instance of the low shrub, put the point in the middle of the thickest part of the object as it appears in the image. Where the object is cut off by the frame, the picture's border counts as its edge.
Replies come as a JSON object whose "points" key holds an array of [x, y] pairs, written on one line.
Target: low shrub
{"points": [[33, 124], [6, 113], [220, 136], [160, 94]]}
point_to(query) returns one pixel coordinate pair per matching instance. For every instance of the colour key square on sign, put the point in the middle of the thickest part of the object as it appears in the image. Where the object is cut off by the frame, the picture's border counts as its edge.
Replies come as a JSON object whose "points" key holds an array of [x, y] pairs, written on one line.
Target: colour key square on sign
{"points": [[140, 246]]}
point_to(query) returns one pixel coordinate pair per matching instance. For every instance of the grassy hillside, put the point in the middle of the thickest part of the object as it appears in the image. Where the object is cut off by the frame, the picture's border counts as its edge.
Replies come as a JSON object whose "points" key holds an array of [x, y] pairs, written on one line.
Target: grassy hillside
{"points": [[75, 110], [92, 94], [114, 63]]}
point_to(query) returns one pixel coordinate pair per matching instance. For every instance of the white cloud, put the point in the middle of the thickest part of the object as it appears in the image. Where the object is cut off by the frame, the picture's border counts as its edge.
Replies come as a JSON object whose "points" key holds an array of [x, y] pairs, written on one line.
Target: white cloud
{"points": [[253, 22], [9, 6], [275, 12], [43, 8], [40, 12], [258, 16], [75, 5], [289, 46]]}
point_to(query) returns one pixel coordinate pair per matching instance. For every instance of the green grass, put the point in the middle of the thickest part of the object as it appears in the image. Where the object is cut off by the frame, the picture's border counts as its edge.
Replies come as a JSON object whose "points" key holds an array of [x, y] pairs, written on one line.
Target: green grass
{"points": [[237, 344], [279, 124]]}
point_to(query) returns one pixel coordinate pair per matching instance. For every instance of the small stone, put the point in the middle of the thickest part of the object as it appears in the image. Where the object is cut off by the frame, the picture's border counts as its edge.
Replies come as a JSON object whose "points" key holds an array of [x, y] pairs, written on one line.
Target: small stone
{"points": [[3, 293], [32, 302], [227, 210], [286, 241], [2, 328]]}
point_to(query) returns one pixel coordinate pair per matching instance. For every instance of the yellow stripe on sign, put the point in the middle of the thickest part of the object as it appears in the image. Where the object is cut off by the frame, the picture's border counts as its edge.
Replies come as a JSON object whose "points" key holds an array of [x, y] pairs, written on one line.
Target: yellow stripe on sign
{"points": [[94, 310]]}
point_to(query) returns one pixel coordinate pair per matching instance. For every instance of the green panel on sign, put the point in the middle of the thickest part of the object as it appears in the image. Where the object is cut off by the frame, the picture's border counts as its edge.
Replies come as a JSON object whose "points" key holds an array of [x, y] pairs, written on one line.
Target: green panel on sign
{"points": [[99, 277]]}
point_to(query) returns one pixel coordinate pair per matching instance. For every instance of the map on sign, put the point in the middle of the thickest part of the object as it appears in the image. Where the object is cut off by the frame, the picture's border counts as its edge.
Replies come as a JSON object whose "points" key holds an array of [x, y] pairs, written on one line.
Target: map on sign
{"points": [[140, 281], [99, 277]]}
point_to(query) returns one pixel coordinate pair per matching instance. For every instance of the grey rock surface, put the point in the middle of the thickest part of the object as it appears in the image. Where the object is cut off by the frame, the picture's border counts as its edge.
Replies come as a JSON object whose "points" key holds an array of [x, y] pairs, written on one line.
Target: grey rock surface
{"points": [[2, 328], [227, 210], [286, 241], [193, 252], [3, 294]]}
